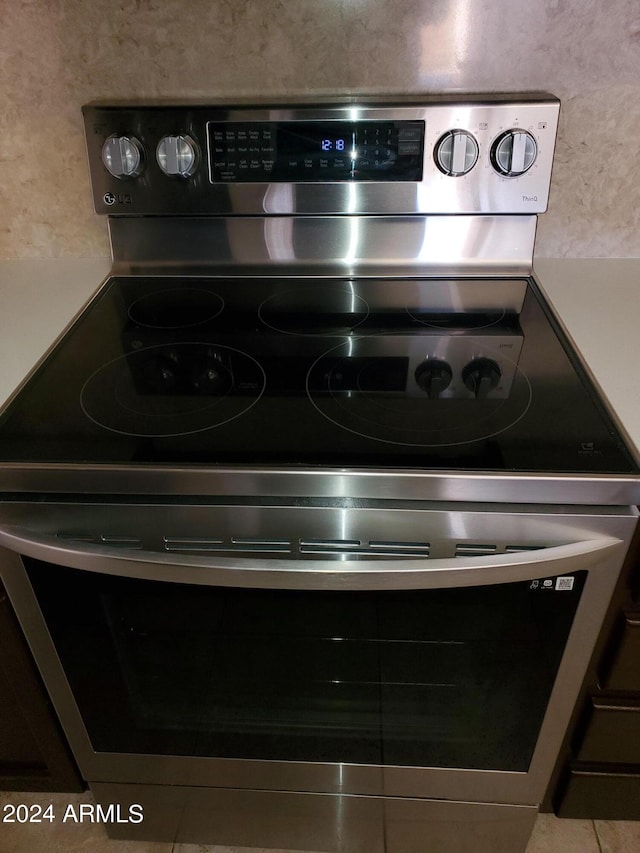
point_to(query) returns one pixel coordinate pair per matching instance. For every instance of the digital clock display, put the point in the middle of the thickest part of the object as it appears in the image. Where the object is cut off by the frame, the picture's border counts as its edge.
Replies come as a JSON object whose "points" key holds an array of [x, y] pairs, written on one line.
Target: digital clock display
{"points": [[333, 144], [315, 151]]}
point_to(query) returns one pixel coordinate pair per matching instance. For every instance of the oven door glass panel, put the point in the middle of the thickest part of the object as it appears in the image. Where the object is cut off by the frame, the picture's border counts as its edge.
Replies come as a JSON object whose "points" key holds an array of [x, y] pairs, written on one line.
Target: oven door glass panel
{"points": [[442, 678]]}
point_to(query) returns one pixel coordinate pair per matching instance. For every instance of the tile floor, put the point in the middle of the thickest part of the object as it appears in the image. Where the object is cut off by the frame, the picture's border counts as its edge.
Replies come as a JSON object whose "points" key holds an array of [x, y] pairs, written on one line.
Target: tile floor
{"points": [[550, 834]]}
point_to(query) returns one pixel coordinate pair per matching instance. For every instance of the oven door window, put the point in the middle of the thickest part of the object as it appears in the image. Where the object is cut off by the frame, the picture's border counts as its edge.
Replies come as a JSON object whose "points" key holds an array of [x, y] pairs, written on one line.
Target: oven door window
{"points": [[441, 678]]}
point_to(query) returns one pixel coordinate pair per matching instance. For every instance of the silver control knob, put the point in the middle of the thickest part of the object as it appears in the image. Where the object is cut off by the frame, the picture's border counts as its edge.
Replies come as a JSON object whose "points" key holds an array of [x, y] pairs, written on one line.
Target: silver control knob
{"points": [[122, 156], [177, 155], [513, 153], [456, 153]]}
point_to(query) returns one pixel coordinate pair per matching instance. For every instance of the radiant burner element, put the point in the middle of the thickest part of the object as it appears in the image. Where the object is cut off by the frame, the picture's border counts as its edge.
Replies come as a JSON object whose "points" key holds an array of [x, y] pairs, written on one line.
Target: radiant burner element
{"points": [[172, 390], [456, 320], [176, 308], [318, 310]]}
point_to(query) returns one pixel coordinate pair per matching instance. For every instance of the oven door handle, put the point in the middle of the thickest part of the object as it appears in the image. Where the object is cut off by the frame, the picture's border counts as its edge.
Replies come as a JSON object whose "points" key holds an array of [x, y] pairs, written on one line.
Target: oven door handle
{"points": [[279, 573]]}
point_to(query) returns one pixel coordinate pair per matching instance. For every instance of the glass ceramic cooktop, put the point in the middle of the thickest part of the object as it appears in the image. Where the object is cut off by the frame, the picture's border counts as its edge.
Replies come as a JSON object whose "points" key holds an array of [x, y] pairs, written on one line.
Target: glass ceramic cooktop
{"points": [[312, 372]]}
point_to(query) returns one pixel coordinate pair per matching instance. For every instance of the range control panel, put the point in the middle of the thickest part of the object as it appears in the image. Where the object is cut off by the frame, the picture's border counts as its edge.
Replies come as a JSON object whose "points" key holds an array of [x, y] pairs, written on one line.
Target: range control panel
{"points": [[316, 151], [490, 155]]}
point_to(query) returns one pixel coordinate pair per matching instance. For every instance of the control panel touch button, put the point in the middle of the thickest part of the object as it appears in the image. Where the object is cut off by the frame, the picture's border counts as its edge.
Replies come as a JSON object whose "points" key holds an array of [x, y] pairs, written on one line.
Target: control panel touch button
{"points": [[456, 153], [122, 156], [514, 153], [177, 155]]}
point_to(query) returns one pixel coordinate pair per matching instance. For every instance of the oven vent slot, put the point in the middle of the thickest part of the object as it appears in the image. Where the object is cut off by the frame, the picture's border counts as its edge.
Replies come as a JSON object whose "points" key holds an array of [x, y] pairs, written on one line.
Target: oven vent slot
{"points": [[235, 544], [102, 539], [78, 537], [479, 549], [416, 549], [474, 549], [262, 545], [516, 549], [374, 548]]}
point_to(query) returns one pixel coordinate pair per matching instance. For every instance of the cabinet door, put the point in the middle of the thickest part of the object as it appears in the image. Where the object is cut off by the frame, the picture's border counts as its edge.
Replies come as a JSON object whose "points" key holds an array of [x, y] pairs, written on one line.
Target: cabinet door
{"points": [[34, 755], [623, 672], [613, 731], [600, 792]]}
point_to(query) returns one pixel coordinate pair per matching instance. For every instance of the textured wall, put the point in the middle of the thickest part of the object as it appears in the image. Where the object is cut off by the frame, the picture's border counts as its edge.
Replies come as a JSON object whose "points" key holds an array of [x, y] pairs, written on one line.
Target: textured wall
{"points": [[57, 54]]}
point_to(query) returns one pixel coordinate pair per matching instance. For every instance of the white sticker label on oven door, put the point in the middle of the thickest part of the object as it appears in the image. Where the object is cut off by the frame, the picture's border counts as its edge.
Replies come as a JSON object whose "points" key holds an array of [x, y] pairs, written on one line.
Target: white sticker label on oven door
{"points": [[564, 583]]}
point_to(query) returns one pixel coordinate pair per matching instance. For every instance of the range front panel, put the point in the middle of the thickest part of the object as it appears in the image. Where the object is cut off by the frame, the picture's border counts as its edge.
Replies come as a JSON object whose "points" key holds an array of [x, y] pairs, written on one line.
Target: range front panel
{"points": [[460, 155]]}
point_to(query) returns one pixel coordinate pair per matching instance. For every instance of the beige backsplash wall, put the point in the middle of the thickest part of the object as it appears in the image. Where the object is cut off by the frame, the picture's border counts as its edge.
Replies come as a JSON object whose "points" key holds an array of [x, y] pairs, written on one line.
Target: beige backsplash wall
{"points": [[56, 55]]}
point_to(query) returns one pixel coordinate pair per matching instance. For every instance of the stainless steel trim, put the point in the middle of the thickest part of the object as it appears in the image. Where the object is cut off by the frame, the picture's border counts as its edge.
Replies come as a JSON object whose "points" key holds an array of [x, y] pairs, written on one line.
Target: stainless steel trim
{"points": [[275, 573], [306, 520], [328, 822], [330, 483], [329, 245]]}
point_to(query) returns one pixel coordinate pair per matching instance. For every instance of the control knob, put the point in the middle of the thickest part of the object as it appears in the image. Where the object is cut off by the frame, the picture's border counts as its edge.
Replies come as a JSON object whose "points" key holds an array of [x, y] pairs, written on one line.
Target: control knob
{"points": [[433, 377], [481, 376], [456, 153], [177, 155], [122, 156], [514, 153]]}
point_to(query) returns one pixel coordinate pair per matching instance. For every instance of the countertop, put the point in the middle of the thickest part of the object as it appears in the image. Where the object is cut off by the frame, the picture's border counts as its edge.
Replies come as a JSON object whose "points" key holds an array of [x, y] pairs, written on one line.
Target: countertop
{"points": [[38, 299], [597, 302]]}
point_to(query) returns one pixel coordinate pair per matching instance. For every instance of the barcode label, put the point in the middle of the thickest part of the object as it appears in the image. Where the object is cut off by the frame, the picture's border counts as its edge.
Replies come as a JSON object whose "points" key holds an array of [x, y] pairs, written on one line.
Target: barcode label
{"points": [[565, 583]]}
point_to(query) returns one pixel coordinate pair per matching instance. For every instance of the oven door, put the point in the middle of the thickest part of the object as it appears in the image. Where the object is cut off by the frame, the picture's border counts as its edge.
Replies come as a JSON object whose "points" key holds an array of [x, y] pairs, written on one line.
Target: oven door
{"points": [[450, 677]]}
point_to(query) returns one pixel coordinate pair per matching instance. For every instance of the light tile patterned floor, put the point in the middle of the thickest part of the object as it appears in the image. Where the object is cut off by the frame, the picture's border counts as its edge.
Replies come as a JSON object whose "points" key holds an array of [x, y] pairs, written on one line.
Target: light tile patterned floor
{"points": [[550, 834]]}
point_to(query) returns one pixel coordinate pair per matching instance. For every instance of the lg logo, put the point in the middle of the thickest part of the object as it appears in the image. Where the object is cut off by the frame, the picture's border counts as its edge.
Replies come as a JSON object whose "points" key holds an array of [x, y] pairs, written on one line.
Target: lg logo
{"points": [[121, 198]]}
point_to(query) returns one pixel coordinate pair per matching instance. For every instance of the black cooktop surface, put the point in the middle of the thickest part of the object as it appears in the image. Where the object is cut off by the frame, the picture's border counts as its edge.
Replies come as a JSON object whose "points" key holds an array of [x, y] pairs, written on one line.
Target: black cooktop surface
{"points": [[396, 373]]}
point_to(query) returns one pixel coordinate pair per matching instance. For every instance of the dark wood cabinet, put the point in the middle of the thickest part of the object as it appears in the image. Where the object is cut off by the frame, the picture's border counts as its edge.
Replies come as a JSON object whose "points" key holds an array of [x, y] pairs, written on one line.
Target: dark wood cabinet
{"points": [[598, 775], [623, 670], [34, 755], [601, 792], [612, 731]]}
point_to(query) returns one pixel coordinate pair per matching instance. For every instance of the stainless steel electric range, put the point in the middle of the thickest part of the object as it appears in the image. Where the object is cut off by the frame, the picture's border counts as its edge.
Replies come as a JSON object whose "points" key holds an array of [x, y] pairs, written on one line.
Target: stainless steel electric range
{"points": [[312, 516]]}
